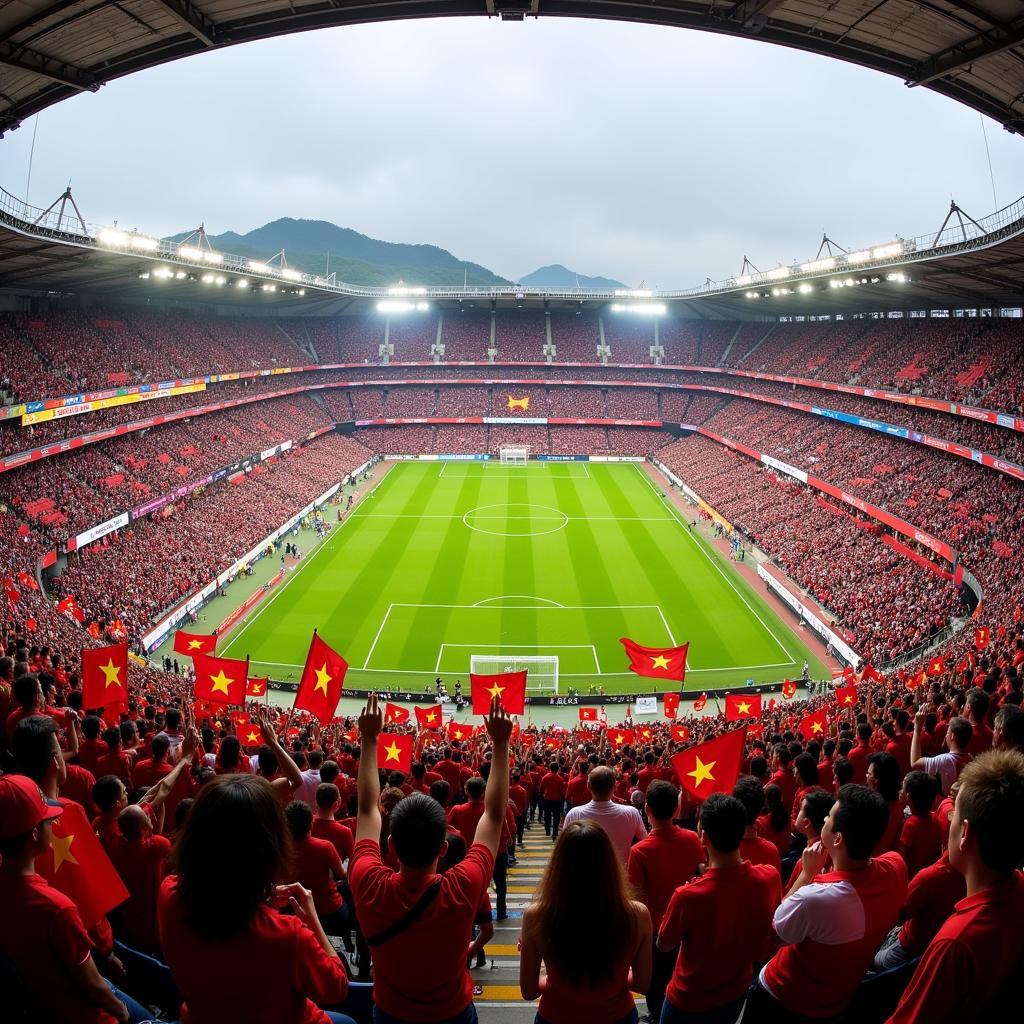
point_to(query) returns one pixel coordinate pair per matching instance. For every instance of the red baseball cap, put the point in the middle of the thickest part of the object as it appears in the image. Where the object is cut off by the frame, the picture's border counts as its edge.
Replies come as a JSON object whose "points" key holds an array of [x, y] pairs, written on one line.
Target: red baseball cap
{"points": [[23, 806]]}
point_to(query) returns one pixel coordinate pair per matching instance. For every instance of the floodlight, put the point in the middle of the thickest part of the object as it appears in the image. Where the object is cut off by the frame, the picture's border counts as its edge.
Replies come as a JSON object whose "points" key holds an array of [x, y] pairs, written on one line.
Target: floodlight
{"points": [[402, 289], [242, 283], [815, 265], [207, 279], [400, 306], [258, 268], [884, 252], [144, 242], [163, 272], [212, 257], [805, 288], [899, 277], [633, 293], [643, 308], [291, 275], [858, 257], [835, 284], [778, 273], [190, 252], [110, 236], [180, 274]]}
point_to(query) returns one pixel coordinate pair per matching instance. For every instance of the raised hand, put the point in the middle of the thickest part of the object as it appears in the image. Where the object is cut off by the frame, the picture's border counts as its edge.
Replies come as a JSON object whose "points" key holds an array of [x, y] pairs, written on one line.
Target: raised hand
{"points": [[371, 719], [498, 723]]}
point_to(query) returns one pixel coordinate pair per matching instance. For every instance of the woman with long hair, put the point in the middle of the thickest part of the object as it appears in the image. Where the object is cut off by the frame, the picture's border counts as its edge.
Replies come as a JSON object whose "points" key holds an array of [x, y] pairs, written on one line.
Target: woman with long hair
{"points": [[233, 954], [775, 824], [593, 938]]}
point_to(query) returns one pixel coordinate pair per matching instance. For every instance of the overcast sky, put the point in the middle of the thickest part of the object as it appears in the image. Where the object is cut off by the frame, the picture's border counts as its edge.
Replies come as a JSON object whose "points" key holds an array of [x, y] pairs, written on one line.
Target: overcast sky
{"points": [[636, 152]]}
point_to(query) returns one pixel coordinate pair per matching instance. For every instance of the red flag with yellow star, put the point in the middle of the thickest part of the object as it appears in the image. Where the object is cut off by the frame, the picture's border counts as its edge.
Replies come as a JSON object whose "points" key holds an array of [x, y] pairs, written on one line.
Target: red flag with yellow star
{"points": [[846, 696], [670, 704], [220, 680], [981, 637], [322, 681], [395, 714], [257, 687], [656, 662], [429, 718], [508, 687], [458, 731], [249, 735], [788, 689], [105, 676], [394, 752], [588, 714], [620, 738], [712, 766], [680, 733], [194, 643], [78, 865], [814, 726], [739, 706]]}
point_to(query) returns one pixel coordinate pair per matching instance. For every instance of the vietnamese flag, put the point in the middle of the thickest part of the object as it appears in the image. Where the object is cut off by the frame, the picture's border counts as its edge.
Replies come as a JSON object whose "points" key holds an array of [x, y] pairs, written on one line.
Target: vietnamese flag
{"points": [[249, 735], [588, 714], [395, 714], [742, 705], [429, 718], [105, 676], [670, 704], [813, 726], [457, 731], [508, 687], [656, 662], [701, 702], [936, 667], [194, 643], [981, 637], [680, 733], [712, 766], [27, 580], [394, 752], [846, 696], [322, 681], [552, 744], [788, 689], [646, 734], [872, 673], [257, 687], [849, 675], [70, 608], [220, 680], [620, 738], [78, 865], [914, 680]]}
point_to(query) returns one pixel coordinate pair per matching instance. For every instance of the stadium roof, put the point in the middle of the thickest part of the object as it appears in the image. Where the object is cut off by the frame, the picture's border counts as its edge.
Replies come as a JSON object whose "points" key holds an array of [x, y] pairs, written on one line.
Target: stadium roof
{"points": [[972, 52]]}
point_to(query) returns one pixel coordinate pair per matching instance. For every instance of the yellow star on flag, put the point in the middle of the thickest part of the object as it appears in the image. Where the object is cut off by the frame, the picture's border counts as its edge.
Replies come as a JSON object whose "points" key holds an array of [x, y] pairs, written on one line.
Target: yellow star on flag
{"points": [[257, 689], [743, 707], [702, 773], [431, 716], [618, 740], [253, 736], [194, 645], [323, 677], [848, 699], [660, 662], [112, 672], [816, 727], [458, 734], [496, 690], [62, 852], [220, 683], [393, 753]]}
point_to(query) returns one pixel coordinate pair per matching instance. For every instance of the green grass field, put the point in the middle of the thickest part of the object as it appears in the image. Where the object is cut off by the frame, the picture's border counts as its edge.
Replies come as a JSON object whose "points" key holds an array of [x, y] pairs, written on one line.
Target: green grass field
{"points": [[444, 560]]}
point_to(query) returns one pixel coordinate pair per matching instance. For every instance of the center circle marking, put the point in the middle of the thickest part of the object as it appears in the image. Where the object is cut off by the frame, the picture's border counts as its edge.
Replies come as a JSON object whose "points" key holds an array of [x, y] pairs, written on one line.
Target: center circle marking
{"points": [[555, 519]]}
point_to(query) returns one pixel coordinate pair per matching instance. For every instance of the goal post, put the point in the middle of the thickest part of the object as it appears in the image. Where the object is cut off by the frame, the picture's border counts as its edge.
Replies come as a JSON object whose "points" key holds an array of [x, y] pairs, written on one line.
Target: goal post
{"points": [[514, 454], [541, 670]]}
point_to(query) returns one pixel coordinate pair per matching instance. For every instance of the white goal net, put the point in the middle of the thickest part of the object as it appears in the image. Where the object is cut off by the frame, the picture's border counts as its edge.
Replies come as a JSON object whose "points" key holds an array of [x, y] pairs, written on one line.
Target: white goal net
{"points": [[514, 454], [541, 671]]}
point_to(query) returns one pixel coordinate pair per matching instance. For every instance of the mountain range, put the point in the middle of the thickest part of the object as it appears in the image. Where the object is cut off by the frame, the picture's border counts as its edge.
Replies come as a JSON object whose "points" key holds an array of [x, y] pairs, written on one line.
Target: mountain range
{"points": [[322, 248]]}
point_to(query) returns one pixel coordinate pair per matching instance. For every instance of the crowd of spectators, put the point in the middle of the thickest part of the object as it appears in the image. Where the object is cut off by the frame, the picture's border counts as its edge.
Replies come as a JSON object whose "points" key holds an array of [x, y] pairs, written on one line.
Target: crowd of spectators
{"points": [[466, 335]]}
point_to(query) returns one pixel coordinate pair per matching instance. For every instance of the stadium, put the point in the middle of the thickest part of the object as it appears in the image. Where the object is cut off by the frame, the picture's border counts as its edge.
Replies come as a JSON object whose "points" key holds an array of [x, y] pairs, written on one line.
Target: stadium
{"points": [[773, 522]]}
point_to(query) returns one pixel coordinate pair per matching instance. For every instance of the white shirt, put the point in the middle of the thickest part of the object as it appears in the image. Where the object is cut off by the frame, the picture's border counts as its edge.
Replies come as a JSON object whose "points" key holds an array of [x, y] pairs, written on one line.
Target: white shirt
{"points": [[307, 791], [622, 822], [947, 767]]}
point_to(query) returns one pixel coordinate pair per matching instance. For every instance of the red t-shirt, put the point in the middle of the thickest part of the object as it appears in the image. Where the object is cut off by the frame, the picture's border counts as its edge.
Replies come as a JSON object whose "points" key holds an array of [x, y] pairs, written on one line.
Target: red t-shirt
{"points": [[562, 1002], [336, 834], [44, 939], [317, 865], [279, 968], [141, 867], [659, 864], [552, 786], [117, 763], [78, 787], [899, 747], [779, 837], [890, 838], [832, 929], [826, 778], [761, 851], [89, 751], [981, 739], [464, 818], [451, 773], [646, 776], [577, 791], [859, 759], [407, 983], [518, 795], [722, 923], [931, 897], [970, 960], [786, 781], [920, 842]]}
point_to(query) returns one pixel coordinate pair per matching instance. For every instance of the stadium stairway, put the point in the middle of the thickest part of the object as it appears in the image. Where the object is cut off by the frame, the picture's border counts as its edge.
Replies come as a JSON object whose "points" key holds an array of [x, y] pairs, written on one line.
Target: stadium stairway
{"points": [[497, 984]]}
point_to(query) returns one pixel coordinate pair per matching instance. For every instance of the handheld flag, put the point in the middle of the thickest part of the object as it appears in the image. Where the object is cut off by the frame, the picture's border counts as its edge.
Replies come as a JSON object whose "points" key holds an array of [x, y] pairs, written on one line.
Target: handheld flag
{"points": [[701, 702], [257, 687], [936, 667], [645, 733], [70, 609], [395, 714], [552, 744], [981, 637], [105, 676], [429, 718], [508, 687], [740, 706], [871, 673], [395, 752], [620, 738], [249, 735], [78, 865], [813, 726], [457, 731], [788, 690], [588, 714], [846, 696], [194, 643], [322, 681], [680, 733], [220, 680], [656, 662], [670, 705], [712, 766]]}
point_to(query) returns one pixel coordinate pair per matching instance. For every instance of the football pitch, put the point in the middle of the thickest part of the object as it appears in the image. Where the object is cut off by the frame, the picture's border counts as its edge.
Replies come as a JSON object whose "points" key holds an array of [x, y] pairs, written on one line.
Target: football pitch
{"points": [[444, 560]]}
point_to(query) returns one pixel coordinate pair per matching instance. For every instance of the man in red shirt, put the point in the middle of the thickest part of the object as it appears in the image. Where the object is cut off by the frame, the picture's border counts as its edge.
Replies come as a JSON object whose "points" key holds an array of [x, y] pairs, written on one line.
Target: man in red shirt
{"points": [[328, 803], [860, 754], [666, 859], [139, 858], [831, 924], [552, 792], [29, 695], [464, 817], [920, 840], [520, 799], [316, 866], [647, 774], [825, 778], [721, 921], [967, 971], [783, 777], [151, 770], [406, 912], [977, 711], [49, 949], [750, 793], [577, 790], [91, 748], [115, 761]]}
